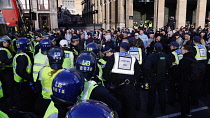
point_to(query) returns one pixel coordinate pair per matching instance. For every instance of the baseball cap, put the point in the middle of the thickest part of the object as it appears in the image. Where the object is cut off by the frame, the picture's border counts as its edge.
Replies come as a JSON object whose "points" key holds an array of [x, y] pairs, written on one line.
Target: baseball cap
{"points": [[197, 38], [125, 46], [174, 44], [136, 34], [107, 49], [74, 38], [132, 39], [63, 43], [158, 45]]}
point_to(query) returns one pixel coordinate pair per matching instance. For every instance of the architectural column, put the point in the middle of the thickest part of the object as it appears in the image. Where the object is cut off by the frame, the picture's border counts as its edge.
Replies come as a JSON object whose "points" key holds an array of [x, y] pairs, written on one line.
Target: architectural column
{"points": [[113, 14], [96, 14], [103, 14], [100, 21], [129, 13], [53, 14], [201, 13], [34, 7], [159, 11], [107, 15], [120, 14], [181, 11]]}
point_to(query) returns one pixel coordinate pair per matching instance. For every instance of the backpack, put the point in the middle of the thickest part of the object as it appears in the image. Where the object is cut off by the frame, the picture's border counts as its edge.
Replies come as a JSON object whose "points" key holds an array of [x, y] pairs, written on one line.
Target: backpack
{"points": [[161, 65], [197, 69]]}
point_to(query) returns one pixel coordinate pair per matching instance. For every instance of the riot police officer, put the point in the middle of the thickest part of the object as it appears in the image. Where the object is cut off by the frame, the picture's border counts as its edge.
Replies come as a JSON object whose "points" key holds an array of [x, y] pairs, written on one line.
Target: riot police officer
{"points": [[84, 109], [74, 46], [46, 76], [155, 71], [6, 71], [40, 59], [22, 64], [121, 72]]}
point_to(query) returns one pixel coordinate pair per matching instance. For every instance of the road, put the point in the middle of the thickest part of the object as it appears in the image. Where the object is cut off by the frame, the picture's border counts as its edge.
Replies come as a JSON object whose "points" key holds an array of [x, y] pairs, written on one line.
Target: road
{"points": [[201, 111]]}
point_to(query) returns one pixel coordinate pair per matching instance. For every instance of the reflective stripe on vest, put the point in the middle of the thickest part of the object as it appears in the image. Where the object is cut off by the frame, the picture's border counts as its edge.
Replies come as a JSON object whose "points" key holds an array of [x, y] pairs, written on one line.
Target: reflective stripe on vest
{"points": [[124, 64], [68, 60], [17, 78], [1, 90], [88, 88], [9, 55], [52, 111], [176, 57], [40, 61], [201, 52], [103, 63], [136, 52], [3, 115], [46, 80]]}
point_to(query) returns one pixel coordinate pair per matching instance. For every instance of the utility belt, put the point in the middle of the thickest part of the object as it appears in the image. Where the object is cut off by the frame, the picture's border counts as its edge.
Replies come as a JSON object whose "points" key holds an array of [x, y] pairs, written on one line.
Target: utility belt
{"points": [[124, 83]]}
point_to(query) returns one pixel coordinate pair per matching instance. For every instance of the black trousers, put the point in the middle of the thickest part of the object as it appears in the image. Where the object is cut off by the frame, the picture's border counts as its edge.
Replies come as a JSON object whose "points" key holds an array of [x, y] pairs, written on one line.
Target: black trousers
{"points": [[126, 94], [7, 79], [157, 85], [41, 106]]}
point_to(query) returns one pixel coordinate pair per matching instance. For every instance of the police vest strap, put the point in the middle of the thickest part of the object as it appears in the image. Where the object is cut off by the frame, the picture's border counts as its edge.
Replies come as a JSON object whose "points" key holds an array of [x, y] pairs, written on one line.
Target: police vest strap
{"points": [[123, 64], [88, 88], [1, 90], [209, 59], [9, 55], [136, 52], [3, 115], [176, 57], [201, 52], [51, 112]]}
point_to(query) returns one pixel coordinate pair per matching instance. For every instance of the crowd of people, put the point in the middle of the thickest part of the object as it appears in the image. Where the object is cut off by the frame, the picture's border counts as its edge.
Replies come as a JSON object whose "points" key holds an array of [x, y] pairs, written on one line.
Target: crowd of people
{"points": [[72, 73]]}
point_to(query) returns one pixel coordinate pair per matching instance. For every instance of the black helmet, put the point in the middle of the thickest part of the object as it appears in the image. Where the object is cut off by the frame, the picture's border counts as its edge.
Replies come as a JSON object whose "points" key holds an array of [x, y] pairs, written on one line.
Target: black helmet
{"points": [[56, 56]]}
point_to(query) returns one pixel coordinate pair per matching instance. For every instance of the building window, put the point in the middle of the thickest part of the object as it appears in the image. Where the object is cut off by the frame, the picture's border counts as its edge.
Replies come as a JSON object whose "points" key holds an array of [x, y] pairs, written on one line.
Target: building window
{"points": [[6, 4], [43, 5], [25, 4]]}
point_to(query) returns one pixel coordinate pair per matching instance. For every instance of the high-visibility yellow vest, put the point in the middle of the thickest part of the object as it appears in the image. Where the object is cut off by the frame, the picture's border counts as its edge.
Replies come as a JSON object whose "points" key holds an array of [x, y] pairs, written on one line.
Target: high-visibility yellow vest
{"points": [[46, 79], [88, 88], [1, 90], [136, 52], [3, 115], [69, 59], [124, 63], [40, 60], [176, 57], [17, 78], [52, 111], [150, 25], [9, 55], [209, 59], [201, 52]]}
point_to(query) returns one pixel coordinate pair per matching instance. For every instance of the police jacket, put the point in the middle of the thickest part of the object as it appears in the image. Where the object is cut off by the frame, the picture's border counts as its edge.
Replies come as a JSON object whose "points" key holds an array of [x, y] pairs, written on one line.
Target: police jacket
{"points": [[150, 65], [116, 78], [22, 63], [4, 58]]}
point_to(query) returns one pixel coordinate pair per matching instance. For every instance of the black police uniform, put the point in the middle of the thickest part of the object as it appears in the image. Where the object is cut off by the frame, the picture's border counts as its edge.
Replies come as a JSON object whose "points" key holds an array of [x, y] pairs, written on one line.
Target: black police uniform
{"points": [[23, 92], [6, 76], [124, 93], [157, 82]]}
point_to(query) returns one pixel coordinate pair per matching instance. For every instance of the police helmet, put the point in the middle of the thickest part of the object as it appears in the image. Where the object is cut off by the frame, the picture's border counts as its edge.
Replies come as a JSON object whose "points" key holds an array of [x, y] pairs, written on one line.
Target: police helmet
{"points": [[22, 44], [45, 45], [56, 56], [3, 38], [90, 109], [86, 63], [93, 47], [67, 87]]}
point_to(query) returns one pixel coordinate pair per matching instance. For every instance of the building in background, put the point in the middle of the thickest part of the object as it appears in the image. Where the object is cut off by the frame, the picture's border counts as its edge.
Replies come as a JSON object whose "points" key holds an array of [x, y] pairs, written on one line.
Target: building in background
{"points": [[74, 6], [124, 13], [43, 13]]}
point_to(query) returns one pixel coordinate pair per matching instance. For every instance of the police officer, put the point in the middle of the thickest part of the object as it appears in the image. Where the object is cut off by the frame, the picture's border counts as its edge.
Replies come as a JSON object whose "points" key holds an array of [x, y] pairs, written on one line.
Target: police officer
{"points": [[201, 56], [155, 71], [174, 58], [46, 76], [63, 97], [107, 52], [37, 40], [69, 56], [6, 71], [22, 64], [103, 111], [40, 59], [121, 72], [74, 46]]}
